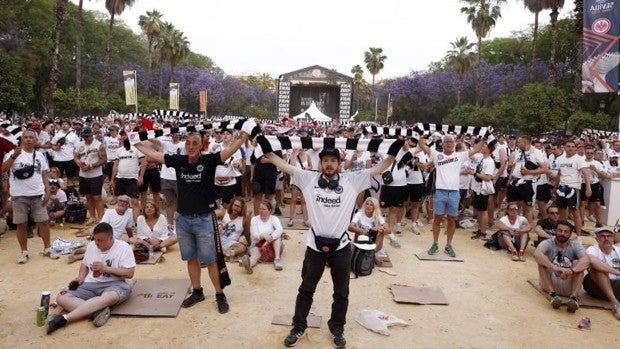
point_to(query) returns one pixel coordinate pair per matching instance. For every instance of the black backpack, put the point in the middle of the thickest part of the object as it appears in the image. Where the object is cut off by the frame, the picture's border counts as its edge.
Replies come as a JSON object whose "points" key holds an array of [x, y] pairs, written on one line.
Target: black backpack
{"points": [[362, 261]]}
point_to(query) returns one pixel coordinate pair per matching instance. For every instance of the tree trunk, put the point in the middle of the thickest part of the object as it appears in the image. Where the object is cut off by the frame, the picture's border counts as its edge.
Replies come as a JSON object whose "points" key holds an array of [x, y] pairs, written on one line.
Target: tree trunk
{"points": [[61, 8], [477, 73], [554, 36], [149, 72], [534, 40], [78, 59], [460, 89], [161, 79], [106, 58]]}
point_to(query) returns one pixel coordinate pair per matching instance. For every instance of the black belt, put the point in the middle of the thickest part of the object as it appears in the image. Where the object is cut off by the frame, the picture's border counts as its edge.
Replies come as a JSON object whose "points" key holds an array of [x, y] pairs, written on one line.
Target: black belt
{"points": [[202, 214]]}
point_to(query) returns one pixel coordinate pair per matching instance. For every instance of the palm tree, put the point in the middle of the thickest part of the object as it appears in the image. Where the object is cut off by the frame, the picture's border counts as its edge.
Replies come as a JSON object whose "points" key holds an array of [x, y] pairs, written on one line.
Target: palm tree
{"points": [[358, 80], [374, 59], [151, 25], [173, 47], [482, 15], [534, 6], [460, 58], [114, 7], [59, 12], [78, 58], [554, 5]]}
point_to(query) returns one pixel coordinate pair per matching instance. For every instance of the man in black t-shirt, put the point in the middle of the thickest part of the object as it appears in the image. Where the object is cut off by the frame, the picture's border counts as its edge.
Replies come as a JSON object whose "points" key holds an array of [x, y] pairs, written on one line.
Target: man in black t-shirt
{"points": [[195, 219], [545, 228]]}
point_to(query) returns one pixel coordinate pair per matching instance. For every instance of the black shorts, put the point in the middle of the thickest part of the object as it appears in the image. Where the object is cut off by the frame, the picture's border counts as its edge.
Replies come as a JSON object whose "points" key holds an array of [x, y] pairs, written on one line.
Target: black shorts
{"points": [[68, 168], [126, 186], [597, 192], [91, 186], [543, 192], [415, 192], [481, 202], [108, 169], [264, 181], [225, 192], [463, 195], [501, 184], [572, 203], [594, 290], [152, 180], [393, 196], [523, 192]]}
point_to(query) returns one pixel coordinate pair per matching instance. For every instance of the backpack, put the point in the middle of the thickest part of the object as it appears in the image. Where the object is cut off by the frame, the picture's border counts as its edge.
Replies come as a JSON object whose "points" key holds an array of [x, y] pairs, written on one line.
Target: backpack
{"points": [[362, 261]]}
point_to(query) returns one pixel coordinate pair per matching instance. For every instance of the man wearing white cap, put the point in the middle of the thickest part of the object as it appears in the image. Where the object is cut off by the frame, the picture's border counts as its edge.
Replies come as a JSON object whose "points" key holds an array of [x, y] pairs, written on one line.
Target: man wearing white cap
{"points": [[603, 278]]}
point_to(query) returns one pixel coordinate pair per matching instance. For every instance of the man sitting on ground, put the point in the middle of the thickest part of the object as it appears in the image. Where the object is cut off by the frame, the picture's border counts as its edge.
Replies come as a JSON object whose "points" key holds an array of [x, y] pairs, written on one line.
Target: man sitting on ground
{"points": [[561, 266], [103, 281], [603, 278], [545, 227]]}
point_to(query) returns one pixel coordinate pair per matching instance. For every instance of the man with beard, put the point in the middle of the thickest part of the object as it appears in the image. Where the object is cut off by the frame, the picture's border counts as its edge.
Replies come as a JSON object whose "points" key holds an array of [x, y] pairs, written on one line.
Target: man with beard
{"points": [[561, 266], [545, 227], [331, 198]]}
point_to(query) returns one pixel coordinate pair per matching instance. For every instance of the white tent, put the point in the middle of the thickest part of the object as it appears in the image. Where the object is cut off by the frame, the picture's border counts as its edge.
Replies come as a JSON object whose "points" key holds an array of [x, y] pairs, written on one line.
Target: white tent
{"points": [[314, 114]]}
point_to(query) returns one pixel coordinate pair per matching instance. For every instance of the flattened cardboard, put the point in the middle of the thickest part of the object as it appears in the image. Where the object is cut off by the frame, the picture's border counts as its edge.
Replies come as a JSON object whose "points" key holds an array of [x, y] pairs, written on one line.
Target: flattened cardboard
{"points": [[287, 320], [154, 298], [383, 262], [418, 295], [439, 256], [585, 300], [158, 258]]}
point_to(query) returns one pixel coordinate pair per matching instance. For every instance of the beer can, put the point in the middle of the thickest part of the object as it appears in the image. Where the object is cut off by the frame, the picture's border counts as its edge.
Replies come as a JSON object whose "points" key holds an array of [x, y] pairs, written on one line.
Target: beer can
{"points": [[41, 316], [45, 301]]}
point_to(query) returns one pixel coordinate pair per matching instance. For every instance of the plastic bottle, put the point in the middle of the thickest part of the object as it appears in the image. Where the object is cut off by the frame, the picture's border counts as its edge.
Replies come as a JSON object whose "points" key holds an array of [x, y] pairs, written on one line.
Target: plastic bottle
{"points": [[151, 253], [232, 256]]}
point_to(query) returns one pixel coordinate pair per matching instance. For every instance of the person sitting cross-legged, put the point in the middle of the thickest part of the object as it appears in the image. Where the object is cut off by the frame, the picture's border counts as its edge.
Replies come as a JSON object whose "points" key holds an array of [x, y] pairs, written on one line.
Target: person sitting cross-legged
{"points": [[603, 278], [265, 229], [561, 266], [514, 232], [104, 280], [152, 229]]}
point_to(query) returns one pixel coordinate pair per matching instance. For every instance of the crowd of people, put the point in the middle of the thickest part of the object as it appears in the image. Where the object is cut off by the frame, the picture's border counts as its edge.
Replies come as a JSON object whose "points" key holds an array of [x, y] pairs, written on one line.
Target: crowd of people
{"points": [[192, 189]]}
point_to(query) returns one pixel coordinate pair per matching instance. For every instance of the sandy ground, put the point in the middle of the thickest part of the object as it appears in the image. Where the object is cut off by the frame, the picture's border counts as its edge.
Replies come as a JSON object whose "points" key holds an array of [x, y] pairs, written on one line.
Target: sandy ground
{"points": [[491, 304]]}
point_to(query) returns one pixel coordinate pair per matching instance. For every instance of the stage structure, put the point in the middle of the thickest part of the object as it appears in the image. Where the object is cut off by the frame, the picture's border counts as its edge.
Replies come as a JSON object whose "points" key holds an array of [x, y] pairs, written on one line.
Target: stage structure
{"points": [[330, 91]]}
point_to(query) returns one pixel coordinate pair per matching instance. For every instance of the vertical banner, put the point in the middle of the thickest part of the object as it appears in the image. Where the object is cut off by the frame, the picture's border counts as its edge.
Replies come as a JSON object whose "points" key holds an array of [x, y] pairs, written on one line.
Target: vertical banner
{"points": [[174, 96], [131, 93], [203, 101], [601, 31]]}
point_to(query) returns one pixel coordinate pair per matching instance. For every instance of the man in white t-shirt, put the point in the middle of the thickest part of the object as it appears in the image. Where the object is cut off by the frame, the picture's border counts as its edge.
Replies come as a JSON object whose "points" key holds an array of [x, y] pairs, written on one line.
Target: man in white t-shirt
{"points": [[603, 278], [571, 168], [63, 146], [330, 197], [104, 280], [447, 197], [29, 192], [90, 156], [120, 218]]}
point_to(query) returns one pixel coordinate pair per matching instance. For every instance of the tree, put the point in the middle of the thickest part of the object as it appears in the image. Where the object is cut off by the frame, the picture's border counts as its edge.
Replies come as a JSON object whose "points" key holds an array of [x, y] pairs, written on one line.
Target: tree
{"points": [[554, 5], [114, 7], [151, 26], [173, 47], [358, 81], [59, 11], [374, 59], [581, 120], [482, 15], [460, 57], [78, 57], [534, 6]]}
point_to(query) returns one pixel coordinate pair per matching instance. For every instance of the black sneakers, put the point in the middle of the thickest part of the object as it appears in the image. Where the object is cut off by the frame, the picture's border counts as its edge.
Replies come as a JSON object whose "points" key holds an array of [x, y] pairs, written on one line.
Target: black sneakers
{"points": [[195, 297], [293, 338], [222, 303], [277, 212], [339, 341], [55, 323]]}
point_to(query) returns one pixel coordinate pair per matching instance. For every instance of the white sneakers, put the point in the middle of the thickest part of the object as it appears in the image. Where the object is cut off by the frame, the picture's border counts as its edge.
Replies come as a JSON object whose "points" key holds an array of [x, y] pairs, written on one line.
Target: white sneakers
{"points": [[416, 227], [48, 252], [23, 257]]}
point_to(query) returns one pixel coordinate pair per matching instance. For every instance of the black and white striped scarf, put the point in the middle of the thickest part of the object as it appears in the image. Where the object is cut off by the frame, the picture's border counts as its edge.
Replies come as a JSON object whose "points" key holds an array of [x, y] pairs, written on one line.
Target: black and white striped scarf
{"points": [[134, 137]]}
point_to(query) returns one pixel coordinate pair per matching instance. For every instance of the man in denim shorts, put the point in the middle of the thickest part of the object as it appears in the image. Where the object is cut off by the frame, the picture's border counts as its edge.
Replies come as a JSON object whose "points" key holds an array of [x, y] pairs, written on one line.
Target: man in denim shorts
{"points": [[446, 199], [104, 280], [195, 219]]}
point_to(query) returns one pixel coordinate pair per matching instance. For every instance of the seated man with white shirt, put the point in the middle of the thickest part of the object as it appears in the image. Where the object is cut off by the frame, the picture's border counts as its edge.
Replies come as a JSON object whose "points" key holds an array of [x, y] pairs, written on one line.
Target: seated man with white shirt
{"points": [[603, 278]]}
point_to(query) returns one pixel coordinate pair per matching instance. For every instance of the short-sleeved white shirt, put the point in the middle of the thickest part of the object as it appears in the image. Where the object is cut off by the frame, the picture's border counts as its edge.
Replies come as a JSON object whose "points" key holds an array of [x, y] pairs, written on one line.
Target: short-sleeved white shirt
{"points": [[361, 220], [612, 259], [448, 168], [120, 255], [570, 168], [32, 186], [330, 210], [534, 155], [171, 149], [119, 223], [66, 150], [128, 162]]}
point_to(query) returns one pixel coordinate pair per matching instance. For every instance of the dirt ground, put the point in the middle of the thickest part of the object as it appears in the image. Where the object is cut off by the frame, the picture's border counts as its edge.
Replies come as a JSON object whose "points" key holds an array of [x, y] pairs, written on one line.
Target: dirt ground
{"points": [[491, 304]]}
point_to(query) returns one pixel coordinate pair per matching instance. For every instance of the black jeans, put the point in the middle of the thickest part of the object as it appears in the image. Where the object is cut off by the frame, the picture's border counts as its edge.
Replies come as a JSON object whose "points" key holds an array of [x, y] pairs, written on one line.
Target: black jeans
{"points": [[311, 272]]}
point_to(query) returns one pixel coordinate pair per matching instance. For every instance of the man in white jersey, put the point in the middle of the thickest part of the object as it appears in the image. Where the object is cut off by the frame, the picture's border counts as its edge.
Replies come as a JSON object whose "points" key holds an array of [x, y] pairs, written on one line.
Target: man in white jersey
{"points": [[128, 173], [104, 280], [596, 172], [90, 157], [330, 197], [571, 167], [447, 197], [29, 192], [111, 143], [603, 278], [63, 147], [528, 163]]}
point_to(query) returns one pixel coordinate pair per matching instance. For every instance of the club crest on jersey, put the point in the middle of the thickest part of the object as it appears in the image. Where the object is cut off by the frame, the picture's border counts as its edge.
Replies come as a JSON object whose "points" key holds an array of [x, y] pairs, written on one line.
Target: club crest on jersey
{"points": [[338, 189], [200, 168], [440, 157]]}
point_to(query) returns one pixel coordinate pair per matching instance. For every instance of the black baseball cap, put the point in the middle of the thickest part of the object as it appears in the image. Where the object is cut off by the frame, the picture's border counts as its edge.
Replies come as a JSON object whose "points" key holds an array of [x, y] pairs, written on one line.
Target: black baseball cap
{"points": [[329, 151]]}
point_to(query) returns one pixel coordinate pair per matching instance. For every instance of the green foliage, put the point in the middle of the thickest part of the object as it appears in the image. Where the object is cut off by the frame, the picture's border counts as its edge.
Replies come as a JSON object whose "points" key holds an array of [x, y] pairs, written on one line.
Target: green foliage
{"points": [[201, 61], [515, 49], [469, 115], [15, 90], [581, 120], [257, 112]]}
